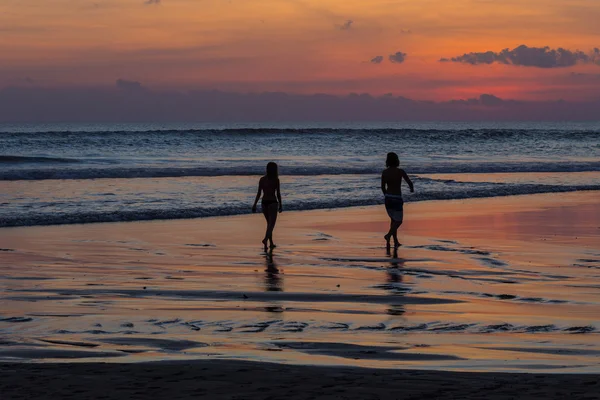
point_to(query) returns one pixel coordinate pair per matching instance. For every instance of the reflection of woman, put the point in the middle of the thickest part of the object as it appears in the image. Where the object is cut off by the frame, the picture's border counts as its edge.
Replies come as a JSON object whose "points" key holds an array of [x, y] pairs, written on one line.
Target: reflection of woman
{"points": [[272, 278], [271, 201], [391, 182]]}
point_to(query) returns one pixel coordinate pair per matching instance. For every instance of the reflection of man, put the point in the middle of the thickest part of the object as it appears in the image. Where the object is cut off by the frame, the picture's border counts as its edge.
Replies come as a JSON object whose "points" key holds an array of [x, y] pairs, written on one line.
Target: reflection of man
{"points": [[394, 277], [394, 274]]}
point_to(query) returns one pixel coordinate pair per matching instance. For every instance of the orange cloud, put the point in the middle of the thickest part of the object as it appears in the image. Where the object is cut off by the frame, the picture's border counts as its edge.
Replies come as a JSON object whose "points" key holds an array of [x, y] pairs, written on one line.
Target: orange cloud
{"points": [[302, 46]]}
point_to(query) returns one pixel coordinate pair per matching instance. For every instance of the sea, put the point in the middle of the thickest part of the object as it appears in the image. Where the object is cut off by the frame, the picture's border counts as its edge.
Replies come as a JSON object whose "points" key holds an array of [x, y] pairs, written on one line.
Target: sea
{"points": [[93, 173]]}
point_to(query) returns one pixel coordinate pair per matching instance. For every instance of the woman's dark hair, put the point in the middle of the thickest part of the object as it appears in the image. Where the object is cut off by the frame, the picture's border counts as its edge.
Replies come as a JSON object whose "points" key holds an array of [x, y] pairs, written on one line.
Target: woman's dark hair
{"points": [[272, 171], [392, 160]]}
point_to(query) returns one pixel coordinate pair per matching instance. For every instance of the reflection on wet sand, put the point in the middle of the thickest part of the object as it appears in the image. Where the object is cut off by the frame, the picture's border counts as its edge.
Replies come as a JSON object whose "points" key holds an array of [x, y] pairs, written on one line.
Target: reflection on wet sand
{"points": [[395, 280], [451, 291], [272, 281]]}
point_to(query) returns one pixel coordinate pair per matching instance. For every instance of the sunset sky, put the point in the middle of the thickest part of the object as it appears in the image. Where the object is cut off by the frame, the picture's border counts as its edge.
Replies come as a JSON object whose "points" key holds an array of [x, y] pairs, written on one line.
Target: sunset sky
{"points": [[308, 46]]}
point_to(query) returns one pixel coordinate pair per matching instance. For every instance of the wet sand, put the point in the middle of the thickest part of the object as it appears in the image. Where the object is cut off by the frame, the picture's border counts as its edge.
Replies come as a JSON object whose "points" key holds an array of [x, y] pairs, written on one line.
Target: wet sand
{"points": [[482, 285], [220, 379]]}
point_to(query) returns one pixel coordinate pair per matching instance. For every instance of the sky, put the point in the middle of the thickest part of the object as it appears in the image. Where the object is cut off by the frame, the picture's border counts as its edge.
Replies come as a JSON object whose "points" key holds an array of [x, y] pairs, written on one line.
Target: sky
{"points": [[533, 51]]}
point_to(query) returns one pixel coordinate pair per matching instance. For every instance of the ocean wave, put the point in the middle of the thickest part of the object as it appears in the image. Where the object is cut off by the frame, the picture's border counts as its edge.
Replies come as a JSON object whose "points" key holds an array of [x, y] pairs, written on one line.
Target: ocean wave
{"points": [[61, 218], [450, 130], [35, 160], [16, 174]]}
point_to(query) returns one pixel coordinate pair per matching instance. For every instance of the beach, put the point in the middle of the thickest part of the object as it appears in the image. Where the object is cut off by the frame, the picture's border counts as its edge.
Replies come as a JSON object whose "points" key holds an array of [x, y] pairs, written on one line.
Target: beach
{"points": [[505, 284], [218, 379], [299, 199]]}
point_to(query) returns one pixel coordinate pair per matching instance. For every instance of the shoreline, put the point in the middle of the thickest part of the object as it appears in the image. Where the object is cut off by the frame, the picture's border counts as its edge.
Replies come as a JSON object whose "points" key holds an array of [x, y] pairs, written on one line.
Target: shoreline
{"points": [[221, 379], [565, 192]]}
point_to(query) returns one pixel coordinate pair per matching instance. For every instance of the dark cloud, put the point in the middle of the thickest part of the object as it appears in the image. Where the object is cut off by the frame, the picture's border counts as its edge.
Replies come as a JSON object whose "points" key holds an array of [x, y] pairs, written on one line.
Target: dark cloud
{"points": [[346, 26], [124, 84], [585, 84], [377, 60], [406, 31], [397, 58], [36, 104], [151, 2], [490, 100], [540, 57], [584, 75]]}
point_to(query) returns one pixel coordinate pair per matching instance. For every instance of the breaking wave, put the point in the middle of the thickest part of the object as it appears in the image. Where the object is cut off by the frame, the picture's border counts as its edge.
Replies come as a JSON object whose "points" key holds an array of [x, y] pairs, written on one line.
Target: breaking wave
{"points": [[61, 217], [249, 169]]}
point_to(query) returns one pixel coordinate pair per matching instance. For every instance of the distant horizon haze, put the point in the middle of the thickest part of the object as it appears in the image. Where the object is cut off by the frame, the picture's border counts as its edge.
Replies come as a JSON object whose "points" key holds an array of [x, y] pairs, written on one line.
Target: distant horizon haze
{"points": [[131, 101]]}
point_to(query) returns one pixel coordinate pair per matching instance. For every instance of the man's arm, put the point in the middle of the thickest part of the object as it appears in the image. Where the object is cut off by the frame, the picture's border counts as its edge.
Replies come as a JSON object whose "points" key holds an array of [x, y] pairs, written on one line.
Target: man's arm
{"points": [[383, 184], [407, 179]]}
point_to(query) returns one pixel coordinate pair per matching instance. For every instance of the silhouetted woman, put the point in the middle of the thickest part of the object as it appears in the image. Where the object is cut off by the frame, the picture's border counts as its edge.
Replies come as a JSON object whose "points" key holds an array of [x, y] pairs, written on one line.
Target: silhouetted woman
{"points": [[391, 182], [271, 200]]}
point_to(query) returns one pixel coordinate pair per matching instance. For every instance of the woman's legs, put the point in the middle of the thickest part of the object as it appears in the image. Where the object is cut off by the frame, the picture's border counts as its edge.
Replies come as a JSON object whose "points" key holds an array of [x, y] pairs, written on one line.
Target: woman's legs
{"points": [[270, 213], [266, 214], [271, 221]]}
